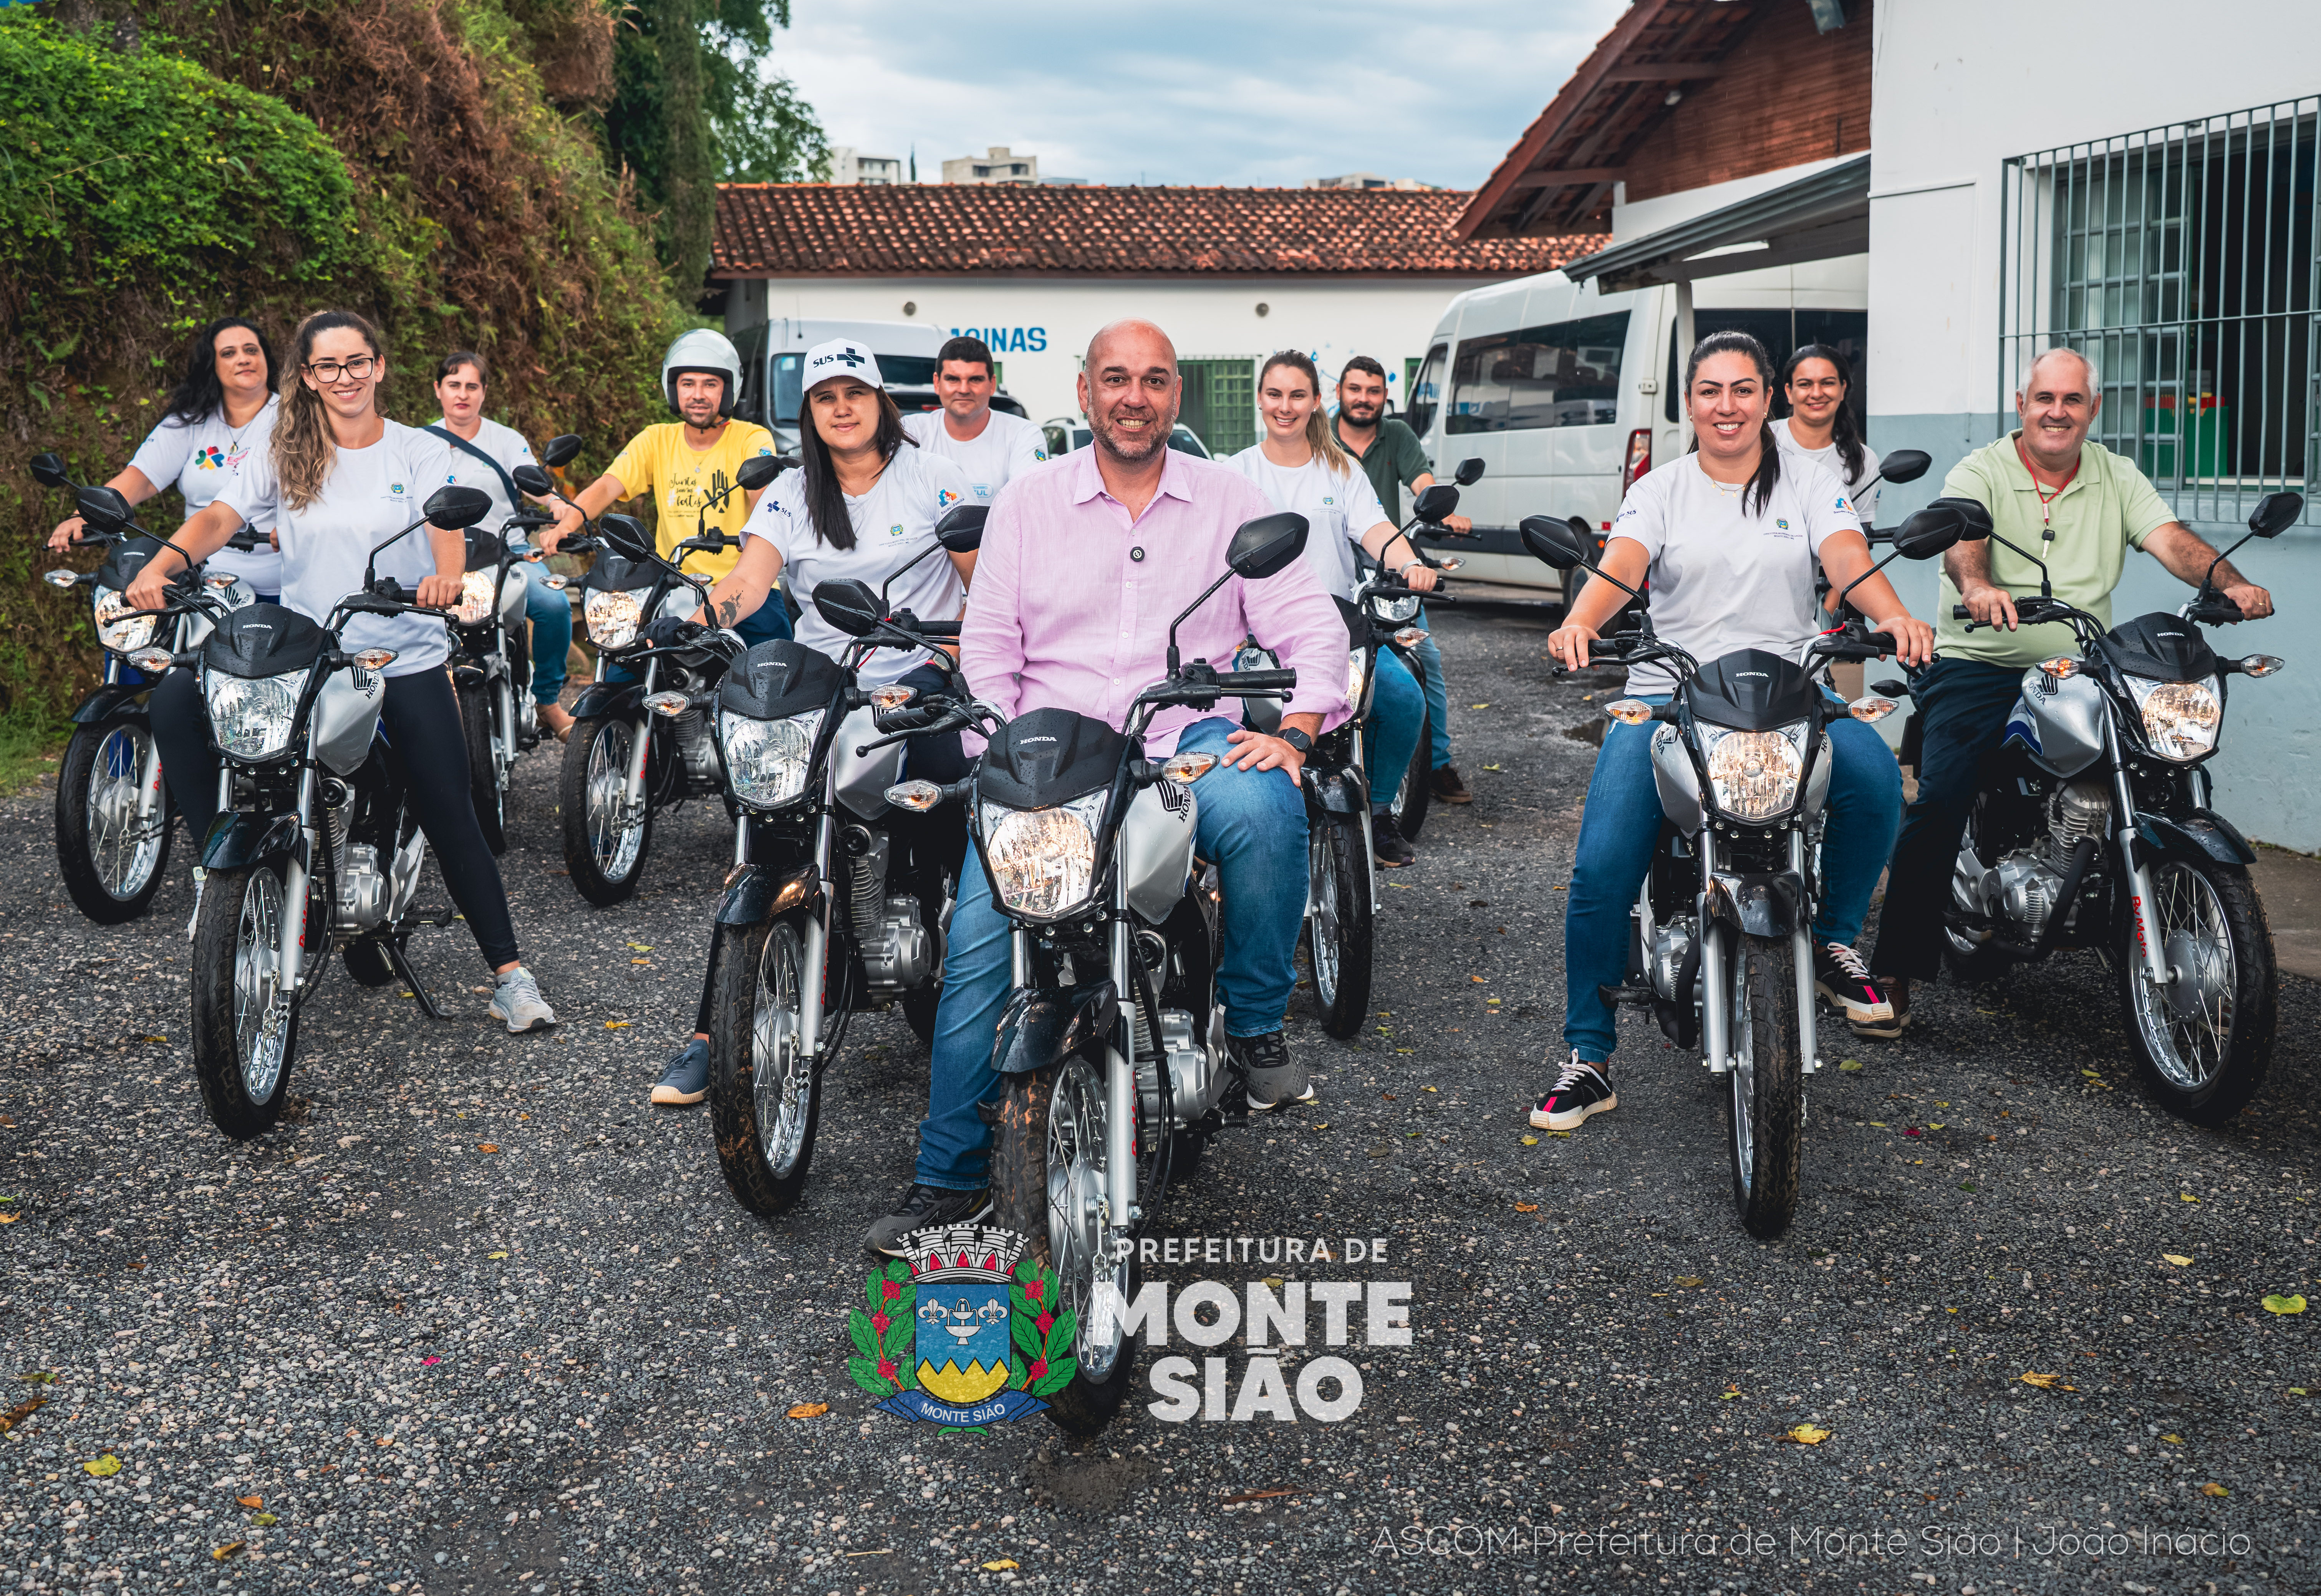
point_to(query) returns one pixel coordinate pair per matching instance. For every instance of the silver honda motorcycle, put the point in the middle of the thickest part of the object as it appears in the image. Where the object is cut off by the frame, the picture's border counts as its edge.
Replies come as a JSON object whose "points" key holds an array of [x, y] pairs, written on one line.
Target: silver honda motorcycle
{"points": [[2096, 827], [1720, 945]]}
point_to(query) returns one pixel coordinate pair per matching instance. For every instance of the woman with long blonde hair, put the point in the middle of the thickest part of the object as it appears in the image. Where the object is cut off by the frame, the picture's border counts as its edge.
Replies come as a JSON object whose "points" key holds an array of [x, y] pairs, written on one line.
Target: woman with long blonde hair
{"points": [[1300, 466], [344, 479]]}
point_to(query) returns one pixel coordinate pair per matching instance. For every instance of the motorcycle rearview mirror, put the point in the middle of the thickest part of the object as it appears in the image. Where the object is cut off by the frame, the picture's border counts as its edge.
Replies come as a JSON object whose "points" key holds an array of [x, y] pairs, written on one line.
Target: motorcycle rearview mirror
{"points": [[455, 509], [1932, 531], [102, 507], [1435, 503], [1264, 547], [533, 479], [960, 530], [1470, 471], [625, 536], [49, 471], [563, 451], [2276, 515], [848, 605], [757, 471], [1556, 541], [1905, 465]]}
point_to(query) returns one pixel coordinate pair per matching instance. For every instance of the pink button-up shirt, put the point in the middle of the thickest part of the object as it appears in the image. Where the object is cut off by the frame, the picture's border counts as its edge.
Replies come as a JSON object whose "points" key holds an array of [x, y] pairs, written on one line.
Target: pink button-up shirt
{"points": [[1072, 598]]}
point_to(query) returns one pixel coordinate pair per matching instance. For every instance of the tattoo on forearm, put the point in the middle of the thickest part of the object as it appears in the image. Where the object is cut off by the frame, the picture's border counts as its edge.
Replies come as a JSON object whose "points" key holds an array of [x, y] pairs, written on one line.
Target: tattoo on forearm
{"points": [[727, 610]]}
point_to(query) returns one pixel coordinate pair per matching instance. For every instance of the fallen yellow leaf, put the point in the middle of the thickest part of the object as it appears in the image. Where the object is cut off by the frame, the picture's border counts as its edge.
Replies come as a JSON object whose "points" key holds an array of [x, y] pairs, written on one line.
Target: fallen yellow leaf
{"points": [[2213, 1489], [1808, 1434], [2284, 1305], [645, 961], [230, 1549], [2041, 1381], [2173, 1440], [1002, 1564], [494, 1254], [9, 1218], [1688, 1281], [104, 1467], [1527, 1208], [615, 1025], [2186, 1197], [250, 1502], [488, 1146], [641, 947], [2177, 1259], [1528, 1142], [264, 1520], [809, 1410], [1851, 1066], [1731, 1391]]}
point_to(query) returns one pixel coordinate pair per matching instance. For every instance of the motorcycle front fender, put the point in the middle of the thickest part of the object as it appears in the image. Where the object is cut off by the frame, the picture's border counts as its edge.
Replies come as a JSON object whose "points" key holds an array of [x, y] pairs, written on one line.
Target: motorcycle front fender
{"points": [[474, 676], [1757, 903], [1341, 790], [755, 893], [115, 700], [238, 842], [609, 698], [1043, 1026], [2202, 832]]}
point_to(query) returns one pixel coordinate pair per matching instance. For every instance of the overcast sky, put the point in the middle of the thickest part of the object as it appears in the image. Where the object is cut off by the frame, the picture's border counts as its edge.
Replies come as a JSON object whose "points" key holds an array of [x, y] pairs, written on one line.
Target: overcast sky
{"points": [[1197, 91]]}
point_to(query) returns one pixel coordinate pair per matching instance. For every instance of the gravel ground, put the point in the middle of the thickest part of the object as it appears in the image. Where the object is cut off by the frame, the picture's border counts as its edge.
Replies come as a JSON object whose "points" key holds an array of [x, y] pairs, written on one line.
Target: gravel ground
{"points": [[477, 1318]]}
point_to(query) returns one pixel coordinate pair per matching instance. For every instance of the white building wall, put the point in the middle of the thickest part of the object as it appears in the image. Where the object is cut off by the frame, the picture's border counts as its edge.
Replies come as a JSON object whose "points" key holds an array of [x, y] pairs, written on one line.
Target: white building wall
{"points": [[1961, 85], [1046, 321]]}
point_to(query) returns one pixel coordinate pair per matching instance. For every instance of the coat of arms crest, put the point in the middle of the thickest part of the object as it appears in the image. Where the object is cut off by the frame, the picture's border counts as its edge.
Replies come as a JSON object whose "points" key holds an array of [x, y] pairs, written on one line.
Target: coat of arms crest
{"points": [[963, 1332]]}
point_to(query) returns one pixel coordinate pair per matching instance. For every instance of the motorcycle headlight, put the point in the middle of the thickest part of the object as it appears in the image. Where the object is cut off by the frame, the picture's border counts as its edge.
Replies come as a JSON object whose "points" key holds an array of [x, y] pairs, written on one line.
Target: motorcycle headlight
{"points": [[122, 636], [1753, 775], [1396, 609], [1043, 860], [613, 615], [767, 760], [252, 718], [2180, 719], [1357, 669], [476, 599]]}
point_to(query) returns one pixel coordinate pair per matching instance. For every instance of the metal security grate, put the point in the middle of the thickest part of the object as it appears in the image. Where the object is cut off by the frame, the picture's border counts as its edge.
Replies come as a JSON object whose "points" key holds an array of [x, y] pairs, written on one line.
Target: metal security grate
{"points": [[2184, 260]]}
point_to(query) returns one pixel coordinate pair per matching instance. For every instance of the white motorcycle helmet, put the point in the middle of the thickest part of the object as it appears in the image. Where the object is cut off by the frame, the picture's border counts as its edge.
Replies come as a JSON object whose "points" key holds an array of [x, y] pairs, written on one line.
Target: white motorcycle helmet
{"points": [[702, 349]]}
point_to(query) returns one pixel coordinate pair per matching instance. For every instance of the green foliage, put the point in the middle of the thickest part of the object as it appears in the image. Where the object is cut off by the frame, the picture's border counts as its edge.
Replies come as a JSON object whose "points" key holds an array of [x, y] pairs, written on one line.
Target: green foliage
{"points": [[769, 135]]}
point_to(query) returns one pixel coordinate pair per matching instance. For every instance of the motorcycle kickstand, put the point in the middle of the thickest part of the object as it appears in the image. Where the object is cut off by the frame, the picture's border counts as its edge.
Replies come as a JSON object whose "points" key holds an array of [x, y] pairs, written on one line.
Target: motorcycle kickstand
{"points": [[394, 956]]}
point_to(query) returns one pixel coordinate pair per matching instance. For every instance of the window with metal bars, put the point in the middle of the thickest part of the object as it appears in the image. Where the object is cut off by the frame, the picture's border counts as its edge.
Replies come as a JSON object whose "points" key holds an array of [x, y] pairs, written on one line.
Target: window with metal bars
{"points": [[2183, 260]]}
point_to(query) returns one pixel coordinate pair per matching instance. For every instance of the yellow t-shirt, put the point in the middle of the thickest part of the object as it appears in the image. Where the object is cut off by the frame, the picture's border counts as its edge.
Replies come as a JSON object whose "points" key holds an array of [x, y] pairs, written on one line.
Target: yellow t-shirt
{"points": [[681, 480]]}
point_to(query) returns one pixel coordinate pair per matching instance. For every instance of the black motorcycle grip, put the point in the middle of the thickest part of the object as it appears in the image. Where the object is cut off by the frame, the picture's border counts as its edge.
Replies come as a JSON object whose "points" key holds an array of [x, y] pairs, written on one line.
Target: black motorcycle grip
{"points": [[1959, 612], [1256, 681]]}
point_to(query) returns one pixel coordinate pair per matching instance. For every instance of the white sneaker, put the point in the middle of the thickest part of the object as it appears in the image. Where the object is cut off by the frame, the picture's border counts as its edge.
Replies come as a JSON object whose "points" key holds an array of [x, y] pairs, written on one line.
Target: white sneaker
{"points": [[517, 1000]]}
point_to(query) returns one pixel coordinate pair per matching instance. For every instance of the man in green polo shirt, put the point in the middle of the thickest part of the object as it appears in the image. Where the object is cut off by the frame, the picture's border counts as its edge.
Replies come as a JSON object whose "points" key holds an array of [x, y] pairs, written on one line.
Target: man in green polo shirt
{"points": [[2079, 507], [1393, 458]]}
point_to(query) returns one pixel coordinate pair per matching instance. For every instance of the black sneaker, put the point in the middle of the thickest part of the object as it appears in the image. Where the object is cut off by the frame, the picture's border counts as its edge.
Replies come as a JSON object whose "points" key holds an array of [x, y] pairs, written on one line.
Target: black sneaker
{"points": [[1273, 1080], [1388, 846], [1580, 1091], [1841, 977], [1896, 990], [926, 1207]]}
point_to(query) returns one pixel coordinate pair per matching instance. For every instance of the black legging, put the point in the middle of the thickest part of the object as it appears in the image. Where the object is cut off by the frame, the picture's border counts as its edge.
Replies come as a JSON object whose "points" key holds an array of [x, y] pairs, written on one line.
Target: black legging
{"points": [[929, 759], [421, 719]]}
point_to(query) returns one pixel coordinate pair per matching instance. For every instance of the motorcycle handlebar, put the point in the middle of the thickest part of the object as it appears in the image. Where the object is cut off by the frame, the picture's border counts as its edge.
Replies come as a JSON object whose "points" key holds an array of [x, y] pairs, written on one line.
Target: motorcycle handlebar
{"points": [[1255, 681]]}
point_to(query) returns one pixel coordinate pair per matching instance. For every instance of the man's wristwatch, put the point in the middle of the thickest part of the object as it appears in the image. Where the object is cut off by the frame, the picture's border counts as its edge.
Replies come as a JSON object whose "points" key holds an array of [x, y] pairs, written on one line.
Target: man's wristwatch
{"points": [[1298, 739]]}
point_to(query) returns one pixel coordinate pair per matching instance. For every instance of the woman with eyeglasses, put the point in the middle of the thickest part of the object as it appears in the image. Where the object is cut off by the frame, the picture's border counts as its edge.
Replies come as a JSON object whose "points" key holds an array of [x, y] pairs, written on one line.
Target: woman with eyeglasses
{"points": [[344, 479]]}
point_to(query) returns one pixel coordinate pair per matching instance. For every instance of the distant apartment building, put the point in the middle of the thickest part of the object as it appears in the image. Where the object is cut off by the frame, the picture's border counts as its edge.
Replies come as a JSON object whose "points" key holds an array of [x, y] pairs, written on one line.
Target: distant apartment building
{"points": [[850, 165], [1372, 180], [999, 165]]}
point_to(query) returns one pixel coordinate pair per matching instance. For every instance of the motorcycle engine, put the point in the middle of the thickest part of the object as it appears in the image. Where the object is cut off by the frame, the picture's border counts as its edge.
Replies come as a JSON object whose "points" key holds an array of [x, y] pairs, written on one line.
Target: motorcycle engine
{"points": [[692, 742], [900, 954], [363, 889], [1670, 942], [1188, 1073], [2023, 886]]}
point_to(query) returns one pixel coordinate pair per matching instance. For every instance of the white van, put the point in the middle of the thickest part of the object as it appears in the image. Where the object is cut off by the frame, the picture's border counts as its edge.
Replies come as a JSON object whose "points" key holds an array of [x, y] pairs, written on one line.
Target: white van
{"points": [[773, 357], [1568, 395]]}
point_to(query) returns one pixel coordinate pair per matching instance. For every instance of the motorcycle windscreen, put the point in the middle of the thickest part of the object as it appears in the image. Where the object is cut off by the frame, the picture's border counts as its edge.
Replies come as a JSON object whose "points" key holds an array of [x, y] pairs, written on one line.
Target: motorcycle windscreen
{"points": [[1751, 690], [1045, 757]]}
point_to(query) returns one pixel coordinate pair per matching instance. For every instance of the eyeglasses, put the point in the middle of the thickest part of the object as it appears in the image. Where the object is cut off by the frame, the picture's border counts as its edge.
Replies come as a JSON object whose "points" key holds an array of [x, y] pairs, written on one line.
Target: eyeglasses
{"points": [[359, 369]]}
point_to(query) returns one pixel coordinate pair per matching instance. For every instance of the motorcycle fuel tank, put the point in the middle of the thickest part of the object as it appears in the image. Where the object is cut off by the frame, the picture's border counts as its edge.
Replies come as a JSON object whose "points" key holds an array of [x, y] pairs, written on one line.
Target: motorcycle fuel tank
{"points": [[863, 778], [2059, 724], [1156, 847], [346, 717]]}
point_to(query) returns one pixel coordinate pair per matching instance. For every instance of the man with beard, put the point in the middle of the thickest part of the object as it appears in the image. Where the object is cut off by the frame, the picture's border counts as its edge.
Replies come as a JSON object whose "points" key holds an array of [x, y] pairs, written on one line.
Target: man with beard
{"points": [[1083, 566], [1393, 458]]}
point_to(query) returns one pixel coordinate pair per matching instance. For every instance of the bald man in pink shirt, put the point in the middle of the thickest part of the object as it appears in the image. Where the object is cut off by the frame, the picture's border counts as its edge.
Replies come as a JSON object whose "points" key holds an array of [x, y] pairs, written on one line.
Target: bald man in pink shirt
{"points": [[1084, 563]]}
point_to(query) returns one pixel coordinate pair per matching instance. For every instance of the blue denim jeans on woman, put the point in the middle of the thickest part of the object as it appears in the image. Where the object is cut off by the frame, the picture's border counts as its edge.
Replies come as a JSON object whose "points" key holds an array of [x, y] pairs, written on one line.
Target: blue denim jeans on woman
{"points": [[1438, 698], [1391, 738], [1622, 823], [1251, 823], [550, 611]]}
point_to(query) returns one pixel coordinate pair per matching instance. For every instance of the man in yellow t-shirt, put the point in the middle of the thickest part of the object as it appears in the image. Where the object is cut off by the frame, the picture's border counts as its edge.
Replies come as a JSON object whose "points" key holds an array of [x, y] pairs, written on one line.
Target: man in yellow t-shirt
{"points": [[687, 464]]}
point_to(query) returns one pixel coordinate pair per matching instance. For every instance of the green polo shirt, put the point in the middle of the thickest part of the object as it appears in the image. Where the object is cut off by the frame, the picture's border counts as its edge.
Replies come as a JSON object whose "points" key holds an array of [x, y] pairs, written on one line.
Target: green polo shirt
{"points": [[1395, 460], [2108, 508]]}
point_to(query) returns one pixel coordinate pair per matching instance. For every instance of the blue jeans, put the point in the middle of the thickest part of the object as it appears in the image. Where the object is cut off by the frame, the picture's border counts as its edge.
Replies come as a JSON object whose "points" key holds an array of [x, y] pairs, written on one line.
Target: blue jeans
{"points": [[1438, 698], [1392, 734], [1962, 707], [1251, 822], [550, 611], [1622, 823]]}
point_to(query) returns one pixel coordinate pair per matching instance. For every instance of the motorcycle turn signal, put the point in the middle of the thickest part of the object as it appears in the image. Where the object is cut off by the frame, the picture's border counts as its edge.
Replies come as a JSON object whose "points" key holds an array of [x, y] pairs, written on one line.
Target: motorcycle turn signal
{"points": [[1629, 712], [374, 659], [893, 695], [2261, 664], [153, 660], [1188, 768], [672, 704], [918, 797], [61, 578], [2061, 668], [1871, 709]]}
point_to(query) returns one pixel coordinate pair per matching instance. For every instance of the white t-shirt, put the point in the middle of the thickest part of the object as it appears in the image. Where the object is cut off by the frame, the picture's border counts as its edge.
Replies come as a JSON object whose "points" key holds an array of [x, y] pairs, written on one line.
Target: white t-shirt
{"points": [[1722, 579], [504, 444], [1005, 448], [1337, 509], [1832, 461], [201, 458], [371, 495], [893, 522]]}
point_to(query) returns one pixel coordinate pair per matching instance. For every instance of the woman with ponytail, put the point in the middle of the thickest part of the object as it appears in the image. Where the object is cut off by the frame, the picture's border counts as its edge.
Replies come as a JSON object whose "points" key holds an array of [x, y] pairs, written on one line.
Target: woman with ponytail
{"points": [[1727, 535], [1821, 424], [1301, 467], [344, 479]]}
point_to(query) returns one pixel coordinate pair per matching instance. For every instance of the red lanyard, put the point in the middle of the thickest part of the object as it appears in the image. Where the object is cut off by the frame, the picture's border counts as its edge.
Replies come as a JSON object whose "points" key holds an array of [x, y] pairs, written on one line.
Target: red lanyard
{"points": [[2046, 523]]}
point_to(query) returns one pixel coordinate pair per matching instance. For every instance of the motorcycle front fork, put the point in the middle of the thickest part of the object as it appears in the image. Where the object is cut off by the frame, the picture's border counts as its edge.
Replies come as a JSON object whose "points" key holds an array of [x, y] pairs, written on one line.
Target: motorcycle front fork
{"points": [[148, 785], [633, 790], [294, 885], [2139, 878], [1717, 1009], [814, 978]]}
